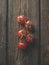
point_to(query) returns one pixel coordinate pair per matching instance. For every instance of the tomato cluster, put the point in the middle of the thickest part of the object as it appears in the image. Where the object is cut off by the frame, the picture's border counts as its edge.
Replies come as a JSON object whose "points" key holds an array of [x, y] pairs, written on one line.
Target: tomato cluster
{"points": [[23, 33]]}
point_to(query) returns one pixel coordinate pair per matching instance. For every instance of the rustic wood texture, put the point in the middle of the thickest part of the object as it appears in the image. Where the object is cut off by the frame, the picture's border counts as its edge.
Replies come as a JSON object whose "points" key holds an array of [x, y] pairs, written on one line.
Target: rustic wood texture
{"points": [[13, 11], [2, 32], [30, 8], [44, 32], [9, 52]]}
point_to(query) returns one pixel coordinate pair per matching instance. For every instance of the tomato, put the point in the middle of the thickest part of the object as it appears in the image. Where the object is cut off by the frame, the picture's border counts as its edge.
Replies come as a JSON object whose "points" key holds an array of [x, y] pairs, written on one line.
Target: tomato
{"points": [[21, 19], [22, 45], [22, 33], [30, 38], [29, 25]]}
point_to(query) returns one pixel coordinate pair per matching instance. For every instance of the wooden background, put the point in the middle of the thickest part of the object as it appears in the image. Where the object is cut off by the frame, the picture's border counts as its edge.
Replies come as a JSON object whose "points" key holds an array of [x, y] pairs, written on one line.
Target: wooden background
{"points": [[38, 12]]}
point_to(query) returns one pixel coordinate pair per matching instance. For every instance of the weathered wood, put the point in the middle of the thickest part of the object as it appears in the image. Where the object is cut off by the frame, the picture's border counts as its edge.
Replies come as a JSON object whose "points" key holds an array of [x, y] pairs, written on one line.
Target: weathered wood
{"points": [[44, 32], [13, 12], [30, 8], [2, 32]]}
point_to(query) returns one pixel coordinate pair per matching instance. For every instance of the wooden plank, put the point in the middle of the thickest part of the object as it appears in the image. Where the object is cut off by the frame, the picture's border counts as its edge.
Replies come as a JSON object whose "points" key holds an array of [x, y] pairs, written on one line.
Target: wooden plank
{"points": [[2, 32], [34, 16], [13, 12], [44, 32], [30, 8], [30, 56]]}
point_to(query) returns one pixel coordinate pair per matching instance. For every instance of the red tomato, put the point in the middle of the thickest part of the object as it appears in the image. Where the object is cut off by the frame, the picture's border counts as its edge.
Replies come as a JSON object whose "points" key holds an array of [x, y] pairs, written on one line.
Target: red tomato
{"points": [[21, 19], [28, 25], [22, 33], [30, 38], [22, 45]]}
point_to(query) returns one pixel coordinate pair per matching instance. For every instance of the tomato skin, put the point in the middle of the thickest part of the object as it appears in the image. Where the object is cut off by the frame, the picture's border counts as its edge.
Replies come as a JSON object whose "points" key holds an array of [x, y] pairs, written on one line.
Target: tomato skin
{"points": [[22, 45], [21, 19], [30, 38], [28, 25], [19, 33], [22, 32]]}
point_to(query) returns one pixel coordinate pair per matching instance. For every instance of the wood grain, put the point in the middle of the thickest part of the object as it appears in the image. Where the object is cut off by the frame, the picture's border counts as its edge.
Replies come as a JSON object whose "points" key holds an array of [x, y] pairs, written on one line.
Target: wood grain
{"points": [[13, 12], [30, 8], [44, 32], [2, 32]]}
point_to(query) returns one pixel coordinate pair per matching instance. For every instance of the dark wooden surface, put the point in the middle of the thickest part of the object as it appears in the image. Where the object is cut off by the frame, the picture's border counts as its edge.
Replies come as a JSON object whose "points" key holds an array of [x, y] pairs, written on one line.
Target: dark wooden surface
{"points": [[44, 32], [30, 8], [2, 32], [9, 52]]}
